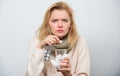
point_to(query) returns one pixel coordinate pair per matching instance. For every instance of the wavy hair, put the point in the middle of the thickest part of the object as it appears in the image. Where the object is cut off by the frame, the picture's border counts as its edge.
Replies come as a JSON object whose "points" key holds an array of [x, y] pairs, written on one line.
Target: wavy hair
{"points": [[44, 30]]}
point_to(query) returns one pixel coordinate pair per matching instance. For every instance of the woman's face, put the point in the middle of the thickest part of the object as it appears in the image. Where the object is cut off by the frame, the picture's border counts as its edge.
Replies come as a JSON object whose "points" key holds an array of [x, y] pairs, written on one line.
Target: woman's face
{"points": [[59, 23]]}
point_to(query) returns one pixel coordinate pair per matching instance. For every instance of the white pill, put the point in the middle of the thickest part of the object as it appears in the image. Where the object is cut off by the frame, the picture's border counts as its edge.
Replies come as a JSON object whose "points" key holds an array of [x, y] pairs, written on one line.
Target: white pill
{"points": [[60, 41]]}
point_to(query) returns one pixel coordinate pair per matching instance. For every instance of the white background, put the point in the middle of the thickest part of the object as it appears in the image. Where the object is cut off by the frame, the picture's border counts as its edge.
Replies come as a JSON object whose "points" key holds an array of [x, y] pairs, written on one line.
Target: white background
{"points": [[98, 21]]}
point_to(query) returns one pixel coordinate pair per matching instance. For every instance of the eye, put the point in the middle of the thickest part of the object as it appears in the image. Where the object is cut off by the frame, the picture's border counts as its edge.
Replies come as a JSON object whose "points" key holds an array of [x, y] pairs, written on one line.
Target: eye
{"points": [[54, 20], [65, 20]]}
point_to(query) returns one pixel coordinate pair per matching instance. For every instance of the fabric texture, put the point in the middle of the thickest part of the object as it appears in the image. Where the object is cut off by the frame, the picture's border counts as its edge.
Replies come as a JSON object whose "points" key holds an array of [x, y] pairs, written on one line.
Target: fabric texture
{"points": [[79, 60]]}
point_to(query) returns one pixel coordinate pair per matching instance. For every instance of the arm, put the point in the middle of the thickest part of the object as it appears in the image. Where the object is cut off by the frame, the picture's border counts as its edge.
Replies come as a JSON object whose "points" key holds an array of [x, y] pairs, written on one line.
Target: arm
{"points": [[35, 55], [80, 62], [35, 65], [83, 64]]}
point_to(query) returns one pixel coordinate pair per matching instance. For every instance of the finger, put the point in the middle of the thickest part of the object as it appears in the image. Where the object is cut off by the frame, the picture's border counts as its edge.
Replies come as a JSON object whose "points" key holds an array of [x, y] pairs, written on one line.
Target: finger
{"points": [[65, 60], [64, 65], [56, 38], [53, 39], [49, 42], [65, 69]]}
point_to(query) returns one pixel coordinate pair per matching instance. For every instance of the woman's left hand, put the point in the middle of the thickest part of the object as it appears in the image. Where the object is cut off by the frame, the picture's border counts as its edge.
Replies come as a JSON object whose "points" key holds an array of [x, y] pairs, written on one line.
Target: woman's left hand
{"points": [[65, 66]]}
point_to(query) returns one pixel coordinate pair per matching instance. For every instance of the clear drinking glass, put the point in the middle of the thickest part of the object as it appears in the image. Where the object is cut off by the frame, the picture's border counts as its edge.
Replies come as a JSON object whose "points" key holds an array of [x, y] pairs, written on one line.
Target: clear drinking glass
{"points": [[59, 53]]}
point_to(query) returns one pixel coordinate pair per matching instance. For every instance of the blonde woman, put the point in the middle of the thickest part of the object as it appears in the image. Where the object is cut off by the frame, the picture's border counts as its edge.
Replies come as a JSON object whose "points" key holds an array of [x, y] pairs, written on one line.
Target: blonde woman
{"points": [[58, 28]]}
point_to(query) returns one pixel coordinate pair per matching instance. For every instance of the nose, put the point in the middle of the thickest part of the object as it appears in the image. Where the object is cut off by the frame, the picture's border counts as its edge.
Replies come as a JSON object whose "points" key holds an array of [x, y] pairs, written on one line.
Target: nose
{"points": [[60, 24]]}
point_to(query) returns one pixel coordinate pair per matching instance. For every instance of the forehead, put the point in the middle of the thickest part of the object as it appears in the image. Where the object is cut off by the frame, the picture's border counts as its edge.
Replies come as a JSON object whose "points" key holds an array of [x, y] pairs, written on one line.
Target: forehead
{"points": [[59, 14]]}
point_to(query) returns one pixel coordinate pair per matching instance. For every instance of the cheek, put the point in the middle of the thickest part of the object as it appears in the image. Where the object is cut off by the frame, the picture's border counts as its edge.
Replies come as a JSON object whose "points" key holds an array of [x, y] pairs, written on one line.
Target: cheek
{"points": [[69, 25], [51, 24], [67, 28], [52, 27]]}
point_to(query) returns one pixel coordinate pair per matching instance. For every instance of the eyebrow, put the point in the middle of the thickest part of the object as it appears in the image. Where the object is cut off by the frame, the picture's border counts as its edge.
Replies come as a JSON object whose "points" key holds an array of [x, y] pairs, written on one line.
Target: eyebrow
{"points": [[61, 19]]}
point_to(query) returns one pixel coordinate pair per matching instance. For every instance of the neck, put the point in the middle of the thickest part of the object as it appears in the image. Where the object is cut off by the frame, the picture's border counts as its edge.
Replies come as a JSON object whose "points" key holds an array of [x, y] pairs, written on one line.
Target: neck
{"points": [[63, 38]]}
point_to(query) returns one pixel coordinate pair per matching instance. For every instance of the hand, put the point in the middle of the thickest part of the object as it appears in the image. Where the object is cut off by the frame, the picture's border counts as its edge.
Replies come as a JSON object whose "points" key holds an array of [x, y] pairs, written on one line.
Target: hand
{"points": [[49, 40], [65, 67]]}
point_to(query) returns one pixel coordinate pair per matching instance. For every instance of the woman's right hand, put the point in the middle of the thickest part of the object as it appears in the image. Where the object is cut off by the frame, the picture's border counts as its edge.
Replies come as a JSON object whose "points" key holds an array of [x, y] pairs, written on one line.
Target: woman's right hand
{"points": [[49, 40]]}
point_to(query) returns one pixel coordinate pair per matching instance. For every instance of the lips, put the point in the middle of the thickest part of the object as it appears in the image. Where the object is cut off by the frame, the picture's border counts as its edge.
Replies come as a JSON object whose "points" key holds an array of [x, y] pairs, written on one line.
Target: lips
{"points": [[59, 31]]}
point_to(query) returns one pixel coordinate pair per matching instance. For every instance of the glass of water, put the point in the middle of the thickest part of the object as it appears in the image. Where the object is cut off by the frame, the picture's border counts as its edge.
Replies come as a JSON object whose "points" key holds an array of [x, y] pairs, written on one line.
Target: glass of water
{"points": [[60, 52], [59, 55]]}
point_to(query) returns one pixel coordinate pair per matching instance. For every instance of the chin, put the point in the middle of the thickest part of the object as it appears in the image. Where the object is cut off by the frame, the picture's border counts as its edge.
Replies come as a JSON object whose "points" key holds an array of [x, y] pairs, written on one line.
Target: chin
{"points": [[61, 36]]}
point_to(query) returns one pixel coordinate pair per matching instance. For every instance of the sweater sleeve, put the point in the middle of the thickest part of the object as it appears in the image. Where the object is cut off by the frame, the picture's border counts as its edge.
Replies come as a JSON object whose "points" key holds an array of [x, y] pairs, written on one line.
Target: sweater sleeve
{"points": [[83, 59], [35, 65]]}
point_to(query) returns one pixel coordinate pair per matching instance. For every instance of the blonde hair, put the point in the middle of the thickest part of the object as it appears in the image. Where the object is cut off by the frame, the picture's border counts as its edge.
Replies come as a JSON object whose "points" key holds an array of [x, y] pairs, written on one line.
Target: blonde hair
{"points": [[44, 30]]}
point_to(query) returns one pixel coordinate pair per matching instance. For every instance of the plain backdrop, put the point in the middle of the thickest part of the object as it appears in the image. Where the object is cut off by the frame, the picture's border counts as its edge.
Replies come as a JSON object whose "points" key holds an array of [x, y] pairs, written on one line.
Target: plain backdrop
{"points": [[98, 21]]}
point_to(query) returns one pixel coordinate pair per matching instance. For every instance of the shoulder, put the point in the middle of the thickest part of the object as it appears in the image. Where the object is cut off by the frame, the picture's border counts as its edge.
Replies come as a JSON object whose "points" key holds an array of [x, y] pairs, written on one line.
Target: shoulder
{"points": [[81, 41], [81, 44], [34, 41]]}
